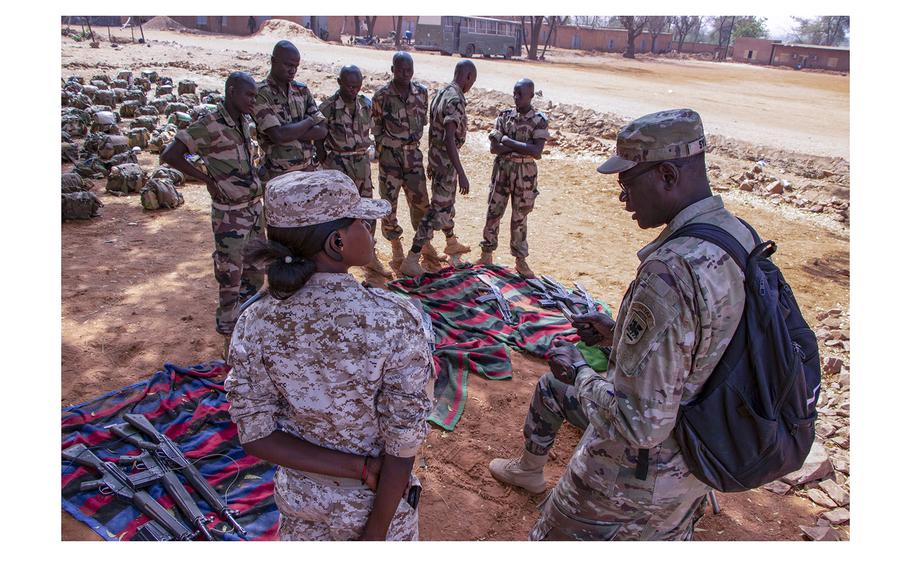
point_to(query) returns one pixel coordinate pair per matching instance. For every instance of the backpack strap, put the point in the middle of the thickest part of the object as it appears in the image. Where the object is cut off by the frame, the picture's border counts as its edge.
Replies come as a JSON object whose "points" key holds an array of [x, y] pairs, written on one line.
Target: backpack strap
{"points": [[716, 235]]}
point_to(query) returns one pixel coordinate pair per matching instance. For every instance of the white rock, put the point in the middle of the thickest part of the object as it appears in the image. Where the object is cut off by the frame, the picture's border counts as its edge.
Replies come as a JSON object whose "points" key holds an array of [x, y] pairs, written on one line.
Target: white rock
{"points": [[820, 498], [835, 492], [837, 516]]}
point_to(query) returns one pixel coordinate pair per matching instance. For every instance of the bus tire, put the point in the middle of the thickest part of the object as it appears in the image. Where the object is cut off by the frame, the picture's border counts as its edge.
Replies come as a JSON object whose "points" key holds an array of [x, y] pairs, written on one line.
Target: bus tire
{"points": [[509, 53], [469, 51]]}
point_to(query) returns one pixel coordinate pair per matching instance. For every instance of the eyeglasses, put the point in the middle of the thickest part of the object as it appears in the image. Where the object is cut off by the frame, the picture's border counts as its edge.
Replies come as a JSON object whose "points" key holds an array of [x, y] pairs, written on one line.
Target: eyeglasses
{"points": [[624, 183]]}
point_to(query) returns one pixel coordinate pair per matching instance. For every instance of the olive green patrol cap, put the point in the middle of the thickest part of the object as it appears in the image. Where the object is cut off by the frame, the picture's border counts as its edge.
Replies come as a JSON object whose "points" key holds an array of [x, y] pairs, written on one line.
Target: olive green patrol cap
{"points": [[298, 199], [664, 135]]}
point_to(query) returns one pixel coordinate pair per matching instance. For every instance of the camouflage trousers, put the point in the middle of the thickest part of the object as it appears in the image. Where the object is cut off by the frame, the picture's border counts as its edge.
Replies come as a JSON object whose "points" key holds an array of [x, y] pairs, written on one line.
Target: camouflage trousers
{"points": [[599, 497], [516, 181], [356, 167], [441, 215], [402, 167], [314, 510], [237, 279]]}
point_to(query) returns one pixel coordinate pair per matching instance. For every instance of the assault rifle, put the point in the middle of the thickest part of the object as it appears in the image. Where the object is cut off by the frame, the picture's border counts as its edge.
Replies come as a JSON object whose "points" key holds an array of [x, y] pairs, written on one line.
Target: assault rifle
{"points": [[496, 294], [127, 488], [154, 464], [174, 458]]}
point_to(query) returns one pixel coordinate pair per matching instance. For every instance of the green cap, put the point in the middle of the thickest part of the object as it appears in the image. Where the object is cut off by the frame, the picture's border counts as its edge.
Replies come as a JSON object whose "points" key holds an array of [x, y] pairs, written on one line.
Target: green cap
{"points": [[664, 135]]}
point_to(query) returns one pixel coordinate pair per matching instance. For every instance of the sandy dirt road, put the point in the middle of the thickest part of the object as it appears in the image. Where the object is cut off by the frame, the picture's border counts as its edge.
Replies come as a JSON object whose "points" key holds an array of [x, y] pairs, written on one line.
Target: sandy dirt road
{"points": [[138, 291], [807, 112]]}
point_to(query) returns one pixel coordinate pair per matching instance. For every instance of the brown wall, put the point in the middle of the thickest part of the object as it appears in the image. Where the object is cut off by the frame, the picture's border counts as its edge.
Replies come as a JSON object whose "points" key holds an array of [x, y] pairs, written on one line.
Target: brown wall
{"points": [[812, 57], [234, 25], [599, 39], [760, 48]]}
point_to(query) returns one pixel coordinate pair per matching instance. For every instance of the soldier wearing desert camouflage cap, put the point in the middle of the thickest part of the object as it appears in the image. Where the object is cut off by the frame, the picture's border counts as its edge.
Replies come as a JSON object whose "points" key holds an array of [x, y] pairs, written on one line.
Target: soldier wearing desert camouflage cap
{"points": [[627, 479]]}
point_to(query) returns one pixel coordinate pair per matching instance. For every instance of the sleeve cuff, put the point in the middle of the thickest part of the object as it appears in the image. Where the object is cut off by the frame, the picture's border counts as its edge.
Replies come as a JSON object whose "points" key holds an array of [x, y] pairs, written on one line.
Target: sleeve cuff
{"points": [[400, 451], [255, 427], [187, 141], [268, 122]]}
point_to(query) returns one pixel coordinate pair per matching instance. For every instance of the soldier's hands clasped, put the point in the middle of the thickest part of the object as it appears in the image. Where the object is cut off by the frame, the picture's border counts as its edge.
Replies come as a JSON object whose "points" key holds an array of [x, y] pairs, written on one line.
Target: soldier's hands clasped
{"points": [[595, 328]]}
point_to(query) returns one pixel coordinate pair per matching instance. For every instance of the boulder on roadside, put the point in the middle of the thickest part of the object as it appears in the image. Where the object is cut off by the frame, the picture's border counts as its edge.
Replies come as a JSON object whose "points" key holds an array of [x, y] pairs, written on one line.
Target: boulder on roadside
{"points": [[816, 466]]}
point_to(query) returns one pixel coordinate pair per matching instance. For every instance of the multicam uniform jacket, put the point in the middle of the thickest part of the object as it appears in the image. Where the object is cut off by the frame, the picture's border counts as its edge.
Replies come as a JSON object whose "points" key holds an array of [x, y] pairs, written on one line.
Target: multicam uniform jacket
{"points": [[225, 149], [276, 107], [343, 367], [673, 325], [448, 106]]}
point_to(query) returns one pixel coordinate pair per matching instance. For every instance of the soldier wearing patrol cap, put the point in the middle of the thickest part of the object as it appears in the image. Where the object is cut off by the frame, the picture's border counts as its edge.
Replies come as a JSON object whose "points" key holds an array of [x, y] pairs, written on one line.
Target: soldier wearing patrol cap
{"points": [[626, 479], [329, 380]]}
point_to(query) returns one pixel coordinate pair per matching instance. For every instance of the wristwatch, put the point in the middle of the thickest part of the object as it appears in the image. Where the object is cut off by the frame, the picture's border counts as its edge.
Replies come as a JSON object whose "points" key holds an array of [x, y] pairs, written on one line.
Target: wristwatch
{"points": [[577, 365]]}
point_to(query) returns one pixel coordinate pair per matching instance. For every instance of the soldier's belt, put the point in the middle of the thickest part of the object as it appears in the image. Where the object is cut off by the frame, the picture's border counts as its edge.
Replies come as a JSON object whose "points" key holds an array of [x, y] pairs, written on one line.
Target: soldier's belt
{"points": [[236, 206], [515, 158], [331, 480], [397, 143], [350, 153]]}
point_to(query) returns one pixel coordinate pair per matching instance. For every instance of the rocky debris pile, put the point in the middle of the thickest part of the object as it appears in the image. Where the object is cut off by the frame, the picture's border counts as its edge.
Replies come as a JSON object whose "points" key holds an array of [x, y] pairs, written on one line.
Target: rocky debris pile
{"points": [[824, 478], [285, 29]]}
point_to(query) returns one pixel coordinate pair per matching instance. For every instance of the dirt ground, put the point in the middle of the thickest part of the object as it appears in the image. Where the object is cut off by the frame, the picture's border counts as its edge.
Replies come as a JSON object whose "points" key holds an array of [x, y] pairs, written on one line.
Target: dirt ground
{"points": [[137, 286]]}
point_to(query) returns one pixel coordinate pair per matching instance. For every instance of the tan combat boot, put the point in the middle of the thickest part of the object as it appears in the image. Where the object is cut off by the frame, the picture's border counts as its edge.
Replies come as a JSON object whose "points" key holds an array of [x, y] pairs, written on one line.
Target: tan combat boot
{"points": [[453, 247], [486, 257], [376, 266], [397, 254], [411, 265], [521, 266], [430, 253], [525, 472]]}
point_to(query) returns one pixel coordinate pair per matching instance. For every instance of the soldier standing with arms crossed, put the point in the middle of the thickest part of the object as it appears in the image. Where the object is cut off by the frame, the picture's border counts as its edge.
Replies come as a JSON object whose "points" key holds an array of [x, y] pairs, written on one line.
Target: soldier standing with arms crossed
{"points": [[448, 129], [286, 115], [399, 116], [346, 146], [517, 140], [222, 139]]}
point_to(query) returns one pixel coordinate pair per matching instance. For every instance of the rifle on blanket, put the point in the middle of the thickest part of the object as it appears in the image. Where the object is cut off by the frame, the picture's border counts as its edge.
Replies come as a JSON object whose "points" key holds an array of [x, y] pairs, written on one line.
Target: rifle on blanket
{"points": [[128, 488], [174, 458], [154, 464], [496, 295]]}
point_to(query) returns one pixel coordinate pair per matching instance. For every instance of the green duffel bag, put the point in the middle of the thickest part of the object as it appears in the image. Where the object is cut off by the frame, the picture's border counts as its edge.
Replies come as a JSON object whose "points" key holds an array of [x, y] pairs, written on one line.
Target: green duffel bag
{"points": [[160, 193], [81, 205], [125, 178]]}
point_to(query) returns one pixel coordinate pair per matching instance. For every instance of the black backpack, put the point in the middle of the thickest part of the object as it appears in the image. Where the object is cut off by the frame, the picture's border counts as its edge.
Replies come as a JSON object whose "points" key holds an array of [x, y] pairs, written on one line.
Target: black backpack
{"points": [[754, 419]]}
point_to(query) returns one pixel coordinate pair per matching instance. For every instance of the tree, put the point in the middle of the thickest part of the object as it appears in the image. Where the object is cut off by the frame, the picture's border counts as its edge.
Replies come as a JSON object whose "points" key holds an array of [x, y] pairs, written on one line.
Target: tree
{"points": [[634, 25], [750, 26], [536, 24], [398, 21], [655, 25], [553, 23], [371, 24], [682, 25], [356, 26], [723, 29], [824, 30]]}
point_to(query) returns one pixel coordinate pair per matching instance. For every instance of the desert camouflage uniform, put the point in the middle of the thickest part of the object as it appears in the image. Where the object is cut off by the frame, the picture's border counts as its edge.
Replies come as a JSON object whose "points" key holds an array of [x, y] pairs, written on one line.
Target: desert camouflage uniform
{"points": [[397, 128], [675, 321], [347, 143], [225, 150], [448, 106], [515, 177], [276, 108], [346, 368]]}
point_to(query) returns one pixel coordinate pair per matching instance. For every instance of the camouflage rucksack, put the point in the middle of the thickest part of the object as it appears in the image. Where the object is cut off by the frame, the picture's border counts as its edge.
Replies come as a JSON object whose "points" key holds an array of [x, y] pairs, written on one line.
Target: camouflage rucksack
{"points": [[105, 121], [162, 138], [163, 80], [161, 90], [103, 77], [100, 85], [80, 205], [75, 79], [69, 152], [125, 75], [149, 122], [160, 104], [73, 124], [73, 182], [135, 94], [105, 97], [199, 111], [165, 172], [125, 178], [151, 76], [189, 99], [129, 108], [186, 86], [139, 137], [119, 94], [160, 194], [171, 108], [181, 119], [89, 90], [148, 110], [91, 167], [142, 83], [128, 157], [80, 101], [113, 144], [120, 84]]}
